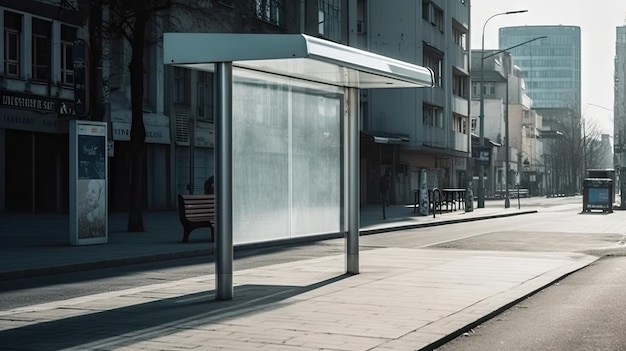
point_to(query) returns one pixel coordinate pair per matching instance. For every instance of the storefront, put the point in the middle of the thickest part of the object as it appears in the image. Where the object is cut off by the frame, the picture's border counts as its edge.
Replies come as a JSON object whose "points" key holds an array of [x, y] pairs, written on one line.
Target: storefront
{"points": [[157, 162], [34, 152]]}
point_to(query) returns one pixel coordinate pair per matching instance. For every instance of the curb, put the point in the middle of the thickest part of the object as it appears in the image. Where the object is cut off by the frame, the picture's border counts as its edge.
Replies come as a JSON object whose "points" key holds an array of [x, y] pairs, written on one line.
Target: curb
{"points": [[156, 257], [108, 263], [557, 277], [448, 221]]}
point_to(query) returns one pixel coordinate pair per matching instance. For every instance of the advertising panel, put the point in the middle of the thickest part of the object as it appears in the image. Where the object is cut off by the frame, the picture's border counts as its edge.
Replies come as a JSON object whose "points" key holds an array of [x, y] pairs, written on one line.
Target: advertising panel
{"points": [[482, 155], [88, 183]]}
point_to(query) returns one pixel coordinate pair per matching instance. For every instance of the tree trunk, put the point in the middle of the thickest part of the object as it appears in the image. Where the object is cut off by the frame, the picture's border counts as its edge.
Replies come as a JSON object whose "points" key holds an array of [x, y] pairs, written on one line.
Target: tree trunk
{"points": [[95, 42], [137, 130]]}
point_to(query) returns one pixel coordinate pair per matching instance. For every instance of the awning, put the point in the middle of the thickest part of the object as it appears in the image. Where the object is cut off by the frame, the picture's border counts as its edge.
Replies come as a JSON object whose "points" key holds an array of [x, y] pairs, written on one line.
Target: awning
{"points": [[476, 139], [294, 55], [551, 134], [386, 138]]}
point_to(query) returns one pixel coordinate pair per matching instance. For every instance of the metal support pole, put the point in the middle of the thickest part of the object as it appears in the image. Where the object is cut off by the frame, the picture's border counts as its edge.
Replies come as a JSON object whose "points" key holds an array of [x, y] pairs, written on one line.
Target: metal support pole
{"points": [[481, 117], [223, 181], [352, 240], [507, 202]]}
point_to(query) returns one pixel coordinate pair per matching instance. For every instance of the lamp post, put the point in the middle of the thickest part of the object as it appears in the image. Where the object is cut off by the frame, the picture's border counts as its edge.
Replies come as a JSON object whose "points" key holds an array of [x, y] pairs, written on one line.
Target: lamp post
{"points": [[507, 203], [481, 169]]}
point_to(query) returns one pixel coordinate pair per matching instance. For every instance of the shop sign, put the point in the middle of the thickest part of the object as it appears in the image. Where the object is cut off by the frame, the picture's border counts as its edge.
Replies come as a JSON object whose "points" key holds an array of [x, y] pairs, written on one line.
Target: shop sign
{"points": [[482, 155], [12, 99], [154, 134], [31, 121]]}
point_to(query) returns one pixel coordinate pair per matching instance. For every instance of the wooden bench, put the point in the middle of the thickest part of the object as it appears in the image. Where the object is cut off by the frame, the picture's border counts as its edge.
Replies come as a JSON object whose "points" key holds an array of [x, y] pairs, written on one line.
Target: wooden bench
{"points": [[196, 211], [501, 194]]}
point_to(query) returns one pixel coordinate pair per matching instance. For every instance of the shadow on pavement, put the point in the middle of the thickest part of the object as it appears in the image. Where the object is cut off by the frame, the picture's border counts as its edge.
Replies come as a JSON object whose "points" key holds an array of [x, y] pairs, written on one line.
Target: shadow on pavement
{"points": [[114, 327]]}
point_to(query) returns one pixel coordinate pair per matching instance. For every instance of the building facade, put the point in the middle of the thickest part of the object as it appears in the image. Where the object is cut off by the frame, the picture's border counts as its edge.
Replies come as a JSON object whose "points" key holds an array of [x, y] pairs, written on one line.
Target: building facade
{"points": [[506, 105], [551, 65], [416, 132], [428, 133], [551, 68], [37, 81]]}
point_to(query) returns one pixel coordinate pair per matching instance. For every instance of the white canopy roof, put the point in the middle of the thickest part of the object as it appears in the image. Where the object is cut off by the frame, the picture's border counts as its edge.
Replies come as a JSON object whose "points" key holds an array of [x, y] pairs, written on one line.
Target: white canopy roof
{"points": [[294, 55]]}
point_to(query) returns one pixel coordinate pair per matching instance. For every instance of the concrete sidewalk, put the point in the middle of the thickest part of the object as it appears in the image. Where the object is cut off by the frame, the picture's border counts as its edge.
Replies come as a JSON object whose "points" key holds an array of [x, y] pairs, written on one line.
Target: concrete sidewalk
{"points": [[403, 299], [34, 245]]}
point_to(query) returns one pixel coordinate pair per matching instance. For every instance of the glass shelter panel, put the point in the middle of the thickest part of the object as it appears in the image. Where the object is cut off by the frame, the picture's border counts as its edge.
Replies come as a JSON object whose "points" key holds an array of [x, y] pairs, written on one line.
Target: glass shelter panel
{"points": [[287, 152], [316, 162]]}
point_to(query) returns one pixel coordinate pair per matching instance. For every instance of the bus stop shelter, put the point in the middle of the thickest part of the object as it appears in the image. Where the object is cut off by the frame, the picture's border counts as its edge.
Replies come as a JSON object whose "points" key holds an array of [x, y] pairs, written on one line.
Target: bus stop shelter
{"points": [[308, 88]]}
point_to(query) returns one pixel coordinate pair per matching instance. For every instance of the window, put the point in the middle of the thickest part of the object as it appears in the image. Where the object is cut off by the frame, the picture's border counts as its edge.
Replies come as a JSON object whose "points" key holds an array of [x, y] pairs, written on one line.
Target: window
{"points": [[205, 96], [425, 10], [474, 123], [457, 124], [181, 84], [269, 11], [41, 50], [459, 34], [433, 14], [147, 79], [433, 59], [12, 30], [361, 21], [329, 19], [437, 19], [460, 85], [69, 4], [68, 35], [489, 88], [433, 116]]}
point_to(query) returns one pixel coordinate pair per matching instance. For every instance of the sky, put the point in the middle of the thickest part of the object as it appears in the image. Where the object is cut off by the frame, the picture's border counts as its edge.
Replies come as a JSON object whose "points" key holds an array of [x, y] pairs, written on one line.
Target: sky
{"points": [[597, 21]]}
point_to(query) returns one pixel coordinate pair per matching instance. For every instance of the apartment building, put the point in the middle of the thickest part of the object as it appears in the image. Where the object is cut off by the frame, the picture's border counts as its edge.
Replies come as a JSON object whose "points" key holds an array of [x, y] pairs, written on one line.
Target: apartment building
{"points": [[506, 104], [409, 132], [417, 135], [37, 84]]}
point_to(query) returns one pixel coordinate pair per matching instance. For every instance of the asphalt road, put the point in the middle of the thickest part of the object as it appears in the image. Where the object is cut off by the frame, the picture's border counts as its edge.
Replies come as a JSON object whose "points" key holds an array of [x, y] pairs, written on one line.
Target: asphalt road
{"points": [[584, 311]]}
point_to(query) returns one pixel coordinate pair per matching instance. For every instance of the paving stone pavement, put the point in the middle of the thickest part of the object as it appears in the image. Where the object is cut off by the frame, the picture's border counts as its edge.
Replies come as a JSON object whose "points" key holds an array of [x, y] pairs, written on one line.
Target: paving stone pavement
{"points": [[403, 299]]}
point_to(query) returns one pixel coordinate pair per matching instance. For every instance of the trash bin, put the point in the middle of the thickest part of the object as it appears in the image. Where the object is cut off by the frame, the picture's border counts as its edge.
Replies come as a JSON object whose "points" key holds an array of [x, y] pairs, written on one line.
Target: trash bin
{"points": [[603, 173], [597, 195]]}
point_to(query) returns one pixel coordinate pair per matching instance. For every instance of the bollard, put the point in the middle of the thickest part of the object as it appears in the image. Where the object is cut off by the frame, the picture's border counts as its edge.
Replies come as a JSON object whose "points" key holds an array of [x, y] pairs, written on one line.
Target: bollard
{"points": [[469, 198], [382, 201]]}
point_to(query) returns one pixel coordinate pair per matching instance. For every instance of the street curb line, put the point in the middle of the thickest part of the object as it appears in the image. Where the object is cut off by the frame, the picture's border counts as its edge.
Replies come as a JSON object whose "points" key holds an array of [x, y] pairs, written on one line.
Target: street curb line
{"points": [[557, 277], [448, 221], [149, 258]]}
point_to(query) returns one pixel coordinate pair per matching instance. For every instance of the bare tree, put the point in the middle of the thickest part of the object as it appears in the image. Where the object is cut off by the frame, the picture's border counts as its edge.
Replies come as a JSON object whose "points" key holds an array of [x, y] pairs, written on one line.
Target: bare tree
{"points": [[597, 155], [129, 19], [568, 149], [139, 21], [579, 149]]}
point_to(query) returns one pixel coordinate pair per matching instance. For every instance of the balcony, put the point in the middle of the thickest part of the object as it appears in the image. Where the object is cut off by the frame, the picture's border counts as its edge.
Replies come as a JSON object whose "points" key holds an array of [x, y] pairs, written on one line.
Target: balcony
{"points": [[444, 139]]}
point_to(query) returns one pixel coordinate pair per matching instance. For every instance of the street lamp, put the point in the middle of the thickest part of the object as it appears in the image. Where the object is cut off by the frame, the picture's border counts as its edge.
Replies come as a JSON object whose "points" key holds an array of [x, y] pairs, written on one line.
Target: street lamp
{"points": [[481, 169], [507, 203]]}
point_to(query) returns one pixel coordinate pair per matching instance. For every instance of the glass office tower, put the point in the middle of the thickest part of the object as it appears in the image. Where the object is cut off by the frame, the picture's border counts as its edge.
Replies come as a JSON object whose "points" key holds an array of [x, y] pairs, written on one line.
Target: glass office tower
{"points": [[551, 66]]}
